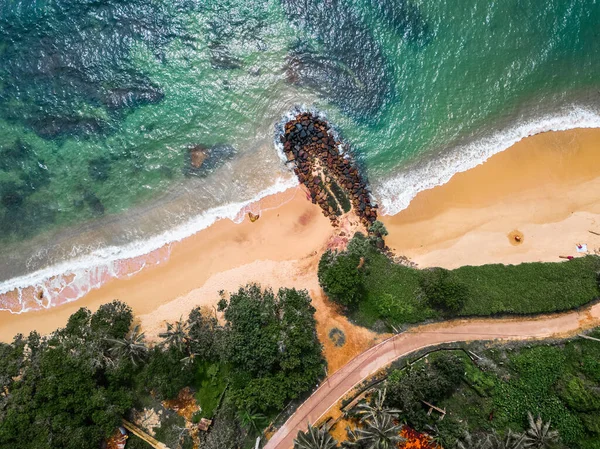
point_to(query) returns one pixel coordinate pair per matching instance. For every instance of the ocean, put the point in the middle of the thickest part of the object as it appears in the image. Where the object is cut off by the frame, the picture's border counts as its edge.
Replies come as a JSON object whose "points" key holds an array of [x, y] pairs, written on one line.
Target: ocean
{"points": [[101, 102]]}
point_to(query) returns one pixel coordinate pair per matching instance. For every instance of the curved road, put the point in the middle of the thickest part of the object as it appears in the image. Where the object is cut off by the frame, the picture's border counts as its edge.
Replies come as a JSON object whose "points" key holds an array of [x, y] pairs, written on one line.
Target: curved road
{"points": [[337, 385]]}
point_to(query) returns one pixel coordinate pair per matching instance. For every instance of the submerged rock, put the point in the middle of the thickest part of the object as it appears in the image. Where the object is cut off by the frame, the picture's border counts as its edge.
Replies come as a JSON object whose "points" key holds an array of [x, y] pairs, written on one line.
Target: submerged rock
{"points": [[201, 160], [198, 155]]}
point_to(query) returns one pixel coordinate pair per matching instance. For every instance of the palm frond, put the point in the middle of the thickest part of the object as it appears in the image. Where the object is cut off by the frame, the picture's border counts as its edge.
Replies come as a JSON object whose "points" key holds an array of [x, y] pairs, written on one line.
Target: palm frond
{"points": [[314, 438]]}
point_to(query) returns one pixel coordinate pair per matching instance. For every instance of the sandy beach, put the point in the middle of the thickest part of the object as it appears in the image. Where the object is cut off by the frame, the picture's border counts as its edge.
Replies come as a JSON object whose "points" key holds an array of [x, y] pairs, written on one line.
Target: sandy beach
{"points": [[546, 187]]}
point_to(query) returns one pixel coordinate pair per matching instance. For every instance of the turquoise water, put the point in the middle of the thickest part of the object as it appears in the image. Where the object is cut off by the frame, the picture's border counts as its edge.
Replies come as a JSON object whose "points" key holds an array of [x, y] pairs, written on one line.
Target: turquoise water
{"points": [[100, 102]]}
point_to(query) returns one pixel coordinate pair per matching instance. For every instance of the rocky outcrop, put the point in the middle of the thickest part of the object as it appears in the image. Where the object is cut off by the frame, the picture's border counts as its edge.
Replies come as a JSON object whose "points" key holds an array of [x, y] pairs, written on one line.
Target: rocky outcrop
{"points": [[318, 163]]}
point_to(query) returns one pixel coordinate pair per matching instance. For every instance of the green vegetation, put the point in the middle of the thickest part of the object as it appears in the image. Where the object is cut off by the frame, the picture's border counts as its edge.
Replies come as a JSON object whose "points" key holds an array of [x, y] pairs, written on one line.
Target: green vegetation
{"points": [[341, 277], [377, 427], [341, 196], [332, 203], [443, 290], [211, 381], [381, 432], [429, 382], [72, 388], [497, 393], [272, 342], [172, 431], [314, 438], [381, 291], [68, 390]]}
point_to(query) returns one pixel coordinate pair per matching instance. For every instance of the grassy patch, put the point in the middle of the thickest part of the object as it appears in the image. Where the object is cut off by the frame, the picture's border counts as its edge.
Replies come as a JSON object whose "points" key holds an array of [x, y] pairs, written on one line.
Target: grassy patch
{"points": [[340, 196], [529, 287], [211, 381]]}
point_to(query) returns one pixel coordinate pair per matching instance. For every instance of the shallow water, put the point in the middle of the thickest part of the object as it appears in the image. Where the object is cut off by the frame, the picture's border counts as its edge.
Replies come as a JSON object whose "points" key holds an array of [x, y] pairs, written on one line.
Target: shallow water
{"points": [[101, 101]]}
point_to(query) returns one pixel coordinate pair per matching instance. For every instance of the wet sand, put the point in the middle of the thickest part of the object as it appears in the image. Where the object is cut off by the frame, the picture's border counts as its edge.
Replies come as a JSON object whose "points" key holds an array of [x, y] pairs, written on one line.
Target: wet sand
{"points": [[545, 186], [290, 231]]}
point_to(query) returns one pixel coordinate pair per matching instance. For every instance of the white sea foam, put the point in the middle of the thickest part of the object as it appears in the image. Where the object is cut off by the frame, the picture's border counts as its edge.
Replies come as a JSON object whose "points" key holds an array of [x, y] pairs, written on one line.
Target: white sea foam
{"points": [[396, 192], [82, 274]]}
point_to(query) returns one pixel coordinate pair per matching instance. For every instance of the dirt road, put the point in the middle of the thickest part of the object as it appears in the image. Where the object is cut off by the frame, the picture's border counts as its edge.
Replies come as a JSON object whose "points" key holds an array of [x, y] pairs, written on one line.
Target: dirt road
{"points": [[367, 363]]}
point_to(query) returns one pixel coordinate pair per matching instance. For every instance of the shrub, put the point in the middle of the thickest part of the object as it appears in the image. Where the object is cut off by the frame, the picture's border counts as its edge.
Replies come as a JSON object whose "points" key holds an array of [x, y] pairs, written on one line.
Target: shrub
{"points": [[592, 422], [341, 278], [341, 196], [427, 382], [377, 232], [577, 395], [442, 290], [378, 229]]}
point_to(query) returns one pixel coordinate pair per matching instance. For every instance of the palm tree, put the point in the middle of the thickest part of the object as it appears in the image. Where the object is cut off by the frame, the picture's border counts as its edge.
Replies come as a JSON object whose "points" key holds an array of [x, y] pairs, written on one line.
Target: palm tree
{"points": [[539, 435], [176, 334], [474, 442], [378, 433], [188, 360], [132, 346], [434, 434], [492, 441], [314, 438], [510, 441], [376, 408], [252, 420]]}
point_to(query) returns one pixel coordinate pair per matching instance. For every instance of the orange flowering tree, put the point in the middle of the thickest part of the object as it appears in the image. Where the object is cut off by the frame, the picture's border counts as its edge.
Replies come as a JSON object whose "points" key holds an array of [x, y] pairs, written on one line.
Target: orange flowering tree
{"points": [[416, 440]]}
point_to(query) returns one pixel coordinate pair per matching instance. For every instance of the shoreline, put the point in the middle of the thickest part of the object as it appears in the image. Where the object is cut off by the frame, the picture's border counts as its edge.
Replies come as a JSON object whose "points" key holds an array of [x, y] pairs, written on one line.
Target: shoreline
{"points": [[442, 164], [544, 186], [70, 279]]}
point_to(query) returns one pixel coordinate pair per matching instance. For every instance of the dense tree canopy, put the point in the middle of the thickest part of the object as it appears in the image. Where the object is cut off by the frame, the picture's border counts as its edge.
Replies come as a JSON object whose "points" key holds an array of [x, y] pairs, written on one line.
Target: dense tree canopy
{"points": [[72, 388], [65, 390], [272, 342], [341, 277]]}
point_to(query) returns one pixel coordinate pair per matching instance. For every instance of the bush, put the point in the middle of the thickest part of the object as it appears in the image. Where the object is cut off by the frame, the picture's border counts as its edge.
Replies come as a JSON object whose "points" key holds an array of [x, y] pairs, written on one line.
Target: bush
{"points": [[429, 382], [577, 395], [592, 422], [442, 290], [341, 278], [378, 229], [341, 196]]}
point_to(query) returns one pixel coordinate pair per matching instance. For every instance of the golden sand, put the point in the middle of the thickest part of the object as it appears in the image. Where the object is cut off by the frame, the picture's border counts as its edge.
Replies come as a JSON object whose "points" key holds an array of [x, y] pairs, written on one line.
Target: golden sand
{"points": [[545, 189]]}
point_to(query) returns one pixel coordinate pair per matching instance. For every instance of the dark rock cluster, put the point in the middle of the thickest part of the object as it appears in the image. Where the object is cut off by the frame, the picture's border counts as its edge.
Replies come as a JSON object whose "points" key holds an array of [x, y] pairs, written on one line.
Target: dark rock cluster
{"points": [[311, 147]]}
